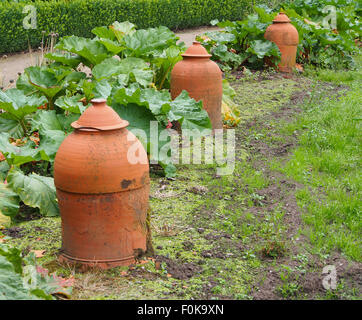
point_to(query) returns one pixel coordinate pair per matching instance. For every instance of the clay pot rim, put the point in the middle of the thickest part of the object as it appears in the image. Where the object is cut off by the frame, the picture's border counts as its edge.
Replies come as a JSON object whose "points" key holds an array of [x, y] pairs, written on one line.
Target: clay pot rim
{"points": [[121, 125], [196, 55]]}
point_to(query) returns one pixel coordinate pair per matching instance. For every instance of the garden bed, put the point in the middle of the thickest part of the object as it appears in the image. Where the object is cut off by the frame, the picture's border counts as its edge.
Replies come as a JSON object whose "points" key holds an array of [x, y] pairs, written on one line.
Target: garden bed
{"points": [[244, 236]]}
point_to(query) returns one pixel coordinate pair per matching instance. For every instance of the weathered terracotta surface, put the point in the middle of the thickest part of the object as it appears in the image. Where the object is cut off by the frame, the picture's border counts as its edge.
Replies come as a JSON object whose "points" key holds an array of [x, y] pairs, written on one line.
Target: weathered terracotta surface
{"points": [[202, 79], [286, 37], [103, 199]]}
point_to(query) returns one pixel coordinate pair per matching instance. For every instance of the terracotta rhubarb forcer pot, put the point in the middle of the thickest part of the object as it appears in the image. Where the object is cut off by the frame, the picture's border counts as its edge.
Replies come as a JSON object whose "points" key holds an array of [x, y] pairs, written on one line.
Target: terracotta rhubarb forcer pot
{"points": [[286, 37], [102, 196], [202, 79]]}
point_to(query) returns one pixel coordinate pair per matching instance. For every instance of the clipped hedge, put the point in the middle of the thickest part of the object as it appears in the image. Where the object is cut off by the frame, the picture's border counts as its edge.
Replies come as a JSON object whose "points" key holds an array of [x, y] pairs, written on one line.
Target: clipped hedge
{"points": [[79, 17]]}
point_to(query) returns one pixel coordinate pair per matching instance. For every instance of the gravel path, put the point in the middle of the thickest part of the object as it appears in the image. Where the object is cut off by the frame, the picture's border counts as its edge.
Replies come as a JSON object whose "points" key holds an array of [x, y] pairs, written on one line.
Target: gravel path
{"points": [[12, 64]]}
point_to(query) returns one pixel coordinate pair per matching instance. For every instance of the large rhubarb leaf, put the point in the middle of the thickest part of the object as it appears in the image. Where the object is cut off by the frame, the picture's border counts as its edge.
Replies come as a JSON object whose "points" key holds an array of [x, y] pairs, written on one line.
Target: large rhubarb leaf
{"points": [[35, 191], [150, 42], [104, 33], [71, 104], [158, 102], [90, 50], [189, 113], [164, 63], [11, 283], [120, 29], [52, 129], [112, 46], [17, 104], [112, 37], [22, 279], [263, 48], [9, 201], [10, 126], [95, 89], [128, 70], [19, 155], [46, 80], [67, 59]]}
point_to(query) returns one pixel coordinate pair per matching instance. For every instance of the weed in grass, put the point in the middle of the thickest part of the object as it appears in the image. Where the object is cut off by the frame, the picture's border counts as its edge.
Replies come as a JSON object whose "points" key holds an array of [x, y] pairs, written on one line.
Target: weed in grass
{"points": [[289, 287], [273, 249]]}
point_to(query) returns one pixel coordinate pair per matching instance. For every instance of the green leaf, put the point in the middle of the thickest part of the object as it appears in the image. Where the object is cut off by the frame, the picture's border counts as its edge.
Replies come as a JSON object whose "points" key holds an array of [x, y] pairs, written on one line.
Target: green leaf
{"points": [[18, 104], [158, 102], [90, 50], [225, 56], [95, 89], [120, 29], [104, 32], [220, 37], [102, 89], [71, 104], [66, 120], [66, 58], [152, 41], [170, 169], [18, 155], [227, 90], [20, 278], [12, 255], [106, 69], [10, 126], [44, 80], [189, 113], [50, 142], [4, 169], [51, 131], [139, 118], [35, 191], [129, 70], [45, 120], [9, 201], [266, 14], [23, 84], [112, 46], [11, 283], [164, 64], [39, 285], [264, 48]]}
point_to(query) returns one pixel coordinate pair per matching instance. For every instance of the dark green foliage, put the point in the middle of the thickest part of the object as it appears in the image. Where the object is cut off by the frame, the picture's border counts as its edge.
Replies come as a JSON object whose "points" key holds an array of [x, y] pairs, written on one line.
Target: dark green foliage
{"points": [[79, 17], [322, 41], [319, 43], [242, 42], [22, 279]]}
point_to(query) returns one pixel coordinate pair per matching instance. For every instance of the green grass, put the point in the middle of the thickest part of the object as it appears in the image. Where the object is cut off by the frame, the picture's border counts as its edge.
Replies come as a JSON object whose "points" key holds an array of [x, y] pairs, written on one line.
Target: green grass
{"points": [[340, 76], [328, 163]]}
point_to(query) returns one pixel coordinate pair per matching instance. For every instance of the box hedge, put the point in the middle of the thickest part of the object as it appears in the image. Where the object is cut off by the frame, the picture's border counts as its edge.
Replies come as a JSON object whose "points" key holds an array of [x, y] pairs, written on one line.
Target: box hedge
{"points": [[79, 17]]}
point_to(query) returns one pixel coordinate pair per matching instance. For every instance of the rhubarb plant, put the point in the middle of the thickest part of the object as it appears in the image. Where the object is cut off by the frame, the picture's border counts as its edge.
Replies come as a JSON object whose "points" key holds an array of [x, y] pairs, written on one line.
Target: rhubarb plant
{"points": [[128, 67], [18, 107], [22, 279], [329, 33]]}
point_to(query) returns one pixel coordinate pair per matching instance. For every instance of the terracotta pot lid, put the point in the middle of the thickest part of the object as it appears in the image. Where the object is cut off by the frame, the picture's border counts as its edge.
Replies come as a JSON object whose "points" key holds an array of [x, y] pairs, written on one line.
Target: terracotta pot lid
{"points": [[196, 51], [281, 18], [100, 117]]}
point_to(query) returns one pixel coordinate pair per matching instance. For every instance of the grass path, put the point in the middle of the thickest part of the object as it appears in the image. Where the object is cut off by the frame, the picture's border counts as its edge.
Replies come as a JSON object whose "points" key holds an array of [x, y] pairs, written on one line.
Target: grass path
{"points": [[290, 208]]}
